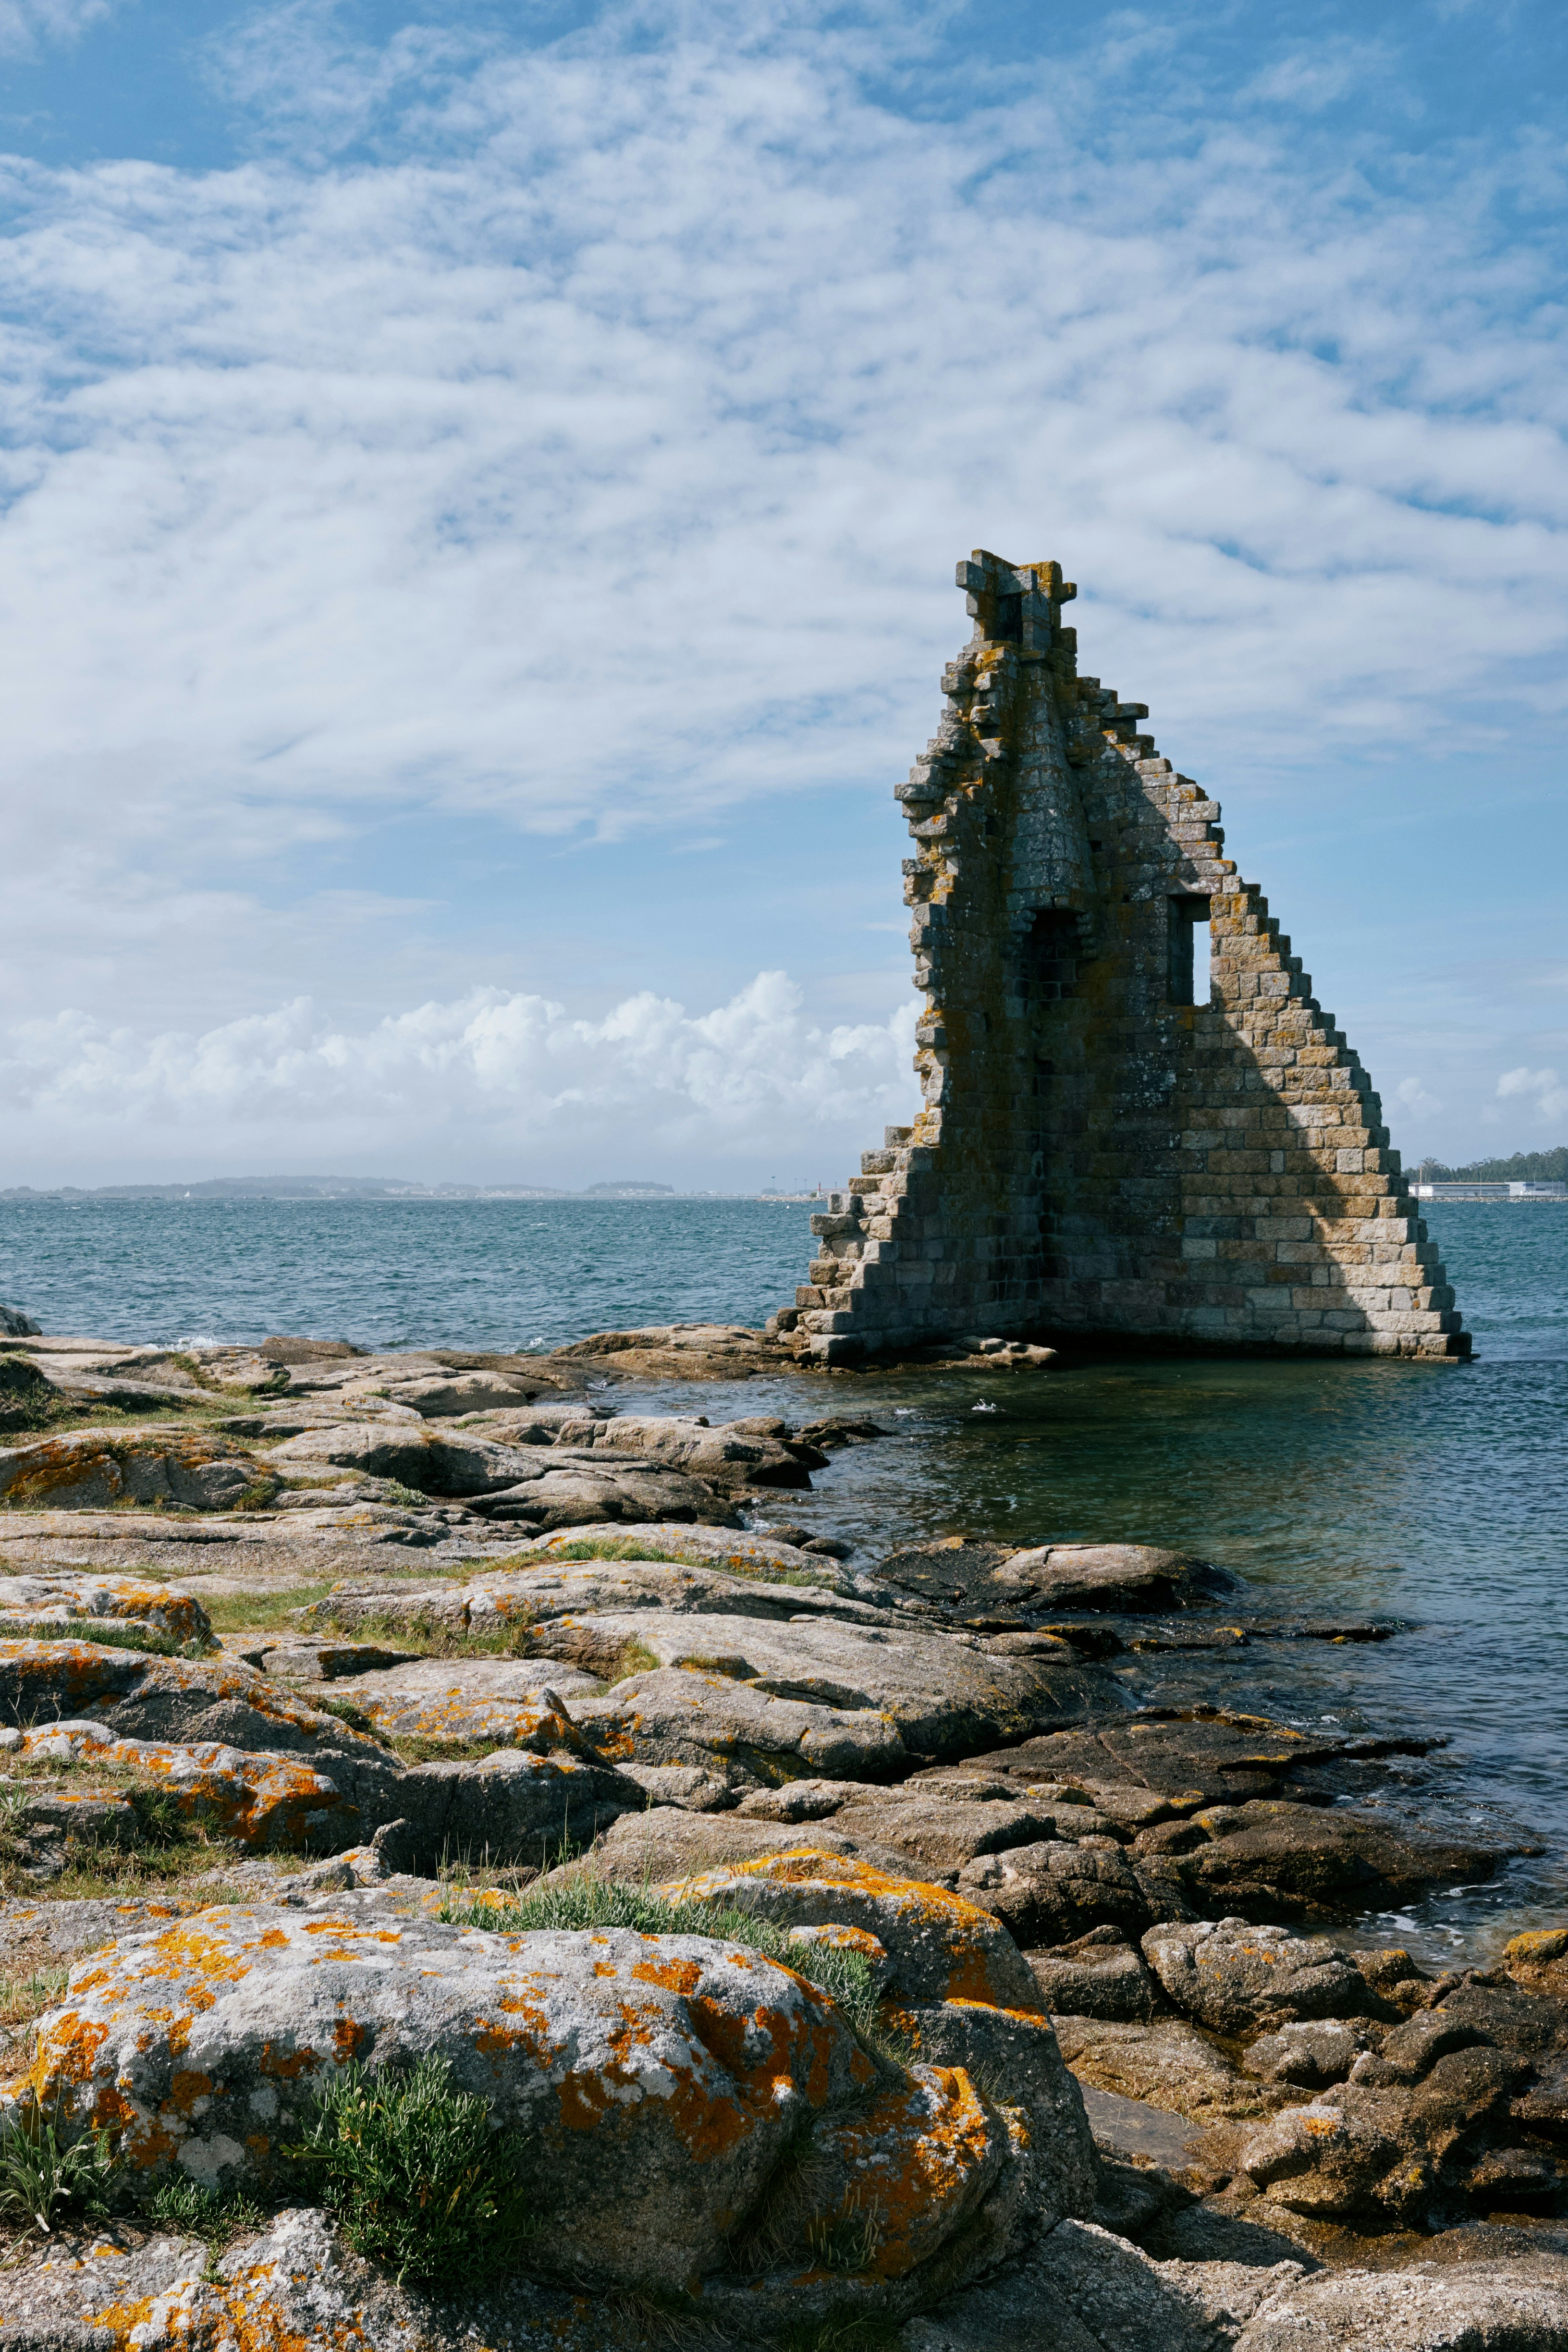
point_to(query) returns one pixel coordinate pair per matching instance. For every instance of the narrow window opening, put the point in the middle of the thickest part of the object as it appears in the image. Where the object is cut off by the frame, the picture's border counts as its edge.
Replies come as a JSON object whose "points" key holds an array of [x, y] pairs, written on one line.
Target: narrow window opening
{"points": [[1050, 957], [1009, 620], [1187, 911]]}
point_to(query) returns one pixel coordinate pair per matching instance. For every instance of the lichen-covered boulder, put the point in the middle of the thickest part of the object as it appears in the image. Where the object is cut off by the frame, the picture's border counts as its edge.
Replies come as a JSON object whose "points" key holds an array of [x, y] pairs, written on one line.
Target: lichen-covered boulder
{"points": [[91, 1468], [1019, 2055], [469, 1698], [733, 1552], [40, 1604], [940, 1948], [273, 1801], [142, 1696], [1539, 1960], [942, 1696], [1236, 1978], [659, 2081]]}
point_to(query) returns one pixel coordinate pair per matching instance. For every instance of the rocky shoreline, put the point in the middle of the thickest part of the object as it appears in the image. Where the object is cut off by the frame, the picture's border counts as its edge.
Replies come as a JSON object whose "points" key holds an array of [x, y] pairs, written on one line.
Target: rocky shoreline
{"points": [[339, 1690]]}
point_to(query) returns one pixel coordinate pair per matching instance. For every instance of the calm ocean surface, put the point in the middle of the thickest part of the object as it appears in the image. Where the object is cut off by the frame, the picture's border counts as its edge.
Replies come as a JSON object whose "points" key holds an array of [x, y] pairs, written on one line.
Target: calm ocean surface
{"points": [[1436, 1494]]}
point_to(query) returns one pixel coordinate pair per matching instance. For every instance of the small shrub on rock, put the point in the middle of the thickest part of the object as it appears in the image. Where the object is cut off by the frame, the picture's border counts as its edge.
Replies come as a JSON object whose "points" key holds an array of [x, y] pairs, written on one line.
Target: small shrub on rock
{"points": [[413, 2173]]}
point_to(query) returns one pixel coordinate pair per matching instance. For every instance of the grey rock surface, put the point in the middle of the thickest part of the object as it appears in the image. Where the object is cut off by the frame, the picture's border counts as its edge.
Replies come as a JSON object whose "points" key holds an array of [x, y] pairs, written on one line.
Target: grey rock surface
{"points": [[89, 1468], [1514, 2306], [1239, 1978]]}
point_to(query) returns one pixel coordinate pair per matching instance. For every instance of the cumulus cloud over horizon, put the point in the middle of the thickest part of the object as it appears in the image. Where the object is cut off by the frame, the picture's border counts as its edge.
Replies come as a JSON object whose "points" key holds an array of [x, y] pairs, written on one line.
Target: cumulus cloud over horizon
{"points": [[567, 442], [498, 1074]]}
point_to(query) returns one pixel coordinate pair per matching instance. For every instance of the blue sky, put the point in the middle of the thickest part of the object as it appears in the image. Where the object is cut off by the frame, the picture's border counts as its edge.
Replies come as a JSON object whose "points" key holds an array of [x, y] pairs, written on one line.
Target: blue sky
{"points": [[478, 493]]}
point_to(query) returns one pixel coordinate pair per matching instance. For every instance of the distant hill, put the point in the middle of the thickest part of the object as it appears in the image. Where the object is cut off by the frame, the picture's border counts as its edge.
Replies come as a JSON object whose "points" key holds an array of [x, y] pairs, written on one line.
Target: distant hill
{"points": [[1524, 1168]]}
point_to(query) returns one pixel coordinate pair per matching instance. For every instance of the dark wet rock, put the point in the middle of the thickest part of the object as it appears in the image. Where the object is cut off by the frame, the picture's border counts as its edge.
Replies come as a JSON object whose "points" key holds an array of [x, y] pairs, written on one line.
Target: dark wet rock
{"points": [[1100, 1975], [1166, 2064], [1053, 1893], [1310, 2055], [1237, 1980], [1269, 1856], [14, 1325], [1107, 1576], [281, 1349], [1202, 1758]]}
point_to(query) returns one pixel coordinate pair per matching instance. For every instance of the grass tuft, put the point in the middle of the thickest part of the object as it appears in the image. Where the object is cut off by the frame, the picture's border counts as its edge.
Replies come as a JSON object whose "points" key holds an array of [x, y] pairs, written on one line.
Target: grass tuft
{"points": [[413, 2173], [213, 2215], [22, 1999], [112, 1633], [42, 2180]]}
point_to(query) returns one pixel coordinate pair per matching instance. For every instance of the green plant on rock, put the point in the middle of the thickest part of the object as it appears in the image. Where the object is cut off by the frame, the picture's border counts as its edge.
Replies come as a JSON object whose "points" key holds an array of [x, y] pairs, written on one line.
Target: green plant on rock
{"points": [[848, 2239], [346, 1711], [211, 2215], [413, 2172], [43, 2179]]}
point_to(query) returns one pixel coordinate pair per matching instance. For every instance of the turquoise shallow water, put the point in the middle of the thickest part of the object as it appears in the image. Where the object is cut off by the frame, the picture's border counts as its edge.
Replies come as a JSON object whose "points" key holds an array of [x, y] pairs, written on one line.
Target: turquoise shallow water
{"points": [[1436, 1494]]}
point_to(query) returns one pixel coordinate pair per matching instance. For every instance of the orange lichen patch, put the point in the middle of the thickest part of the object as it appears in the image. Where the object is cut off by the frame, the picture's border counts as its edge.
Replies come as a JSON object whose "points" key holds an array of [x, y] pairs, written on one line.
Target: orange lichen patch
{"points": [[268, 1798], [185, 2088], [287, 2066], [66, 2052], [495, 2040], [914, 2164], [349, 2039], [676, 1975]]}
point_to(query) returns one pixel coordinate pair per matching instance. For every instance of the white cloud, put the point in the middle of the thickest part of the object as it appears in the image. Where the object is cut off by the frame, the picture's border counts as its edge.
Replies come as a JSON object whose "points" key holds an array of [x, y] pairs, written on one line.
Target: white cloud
{"points": [[528, 469], [24, 25], [587, 448], [1413, 1096], [1543, 1088], [513, 1075]]}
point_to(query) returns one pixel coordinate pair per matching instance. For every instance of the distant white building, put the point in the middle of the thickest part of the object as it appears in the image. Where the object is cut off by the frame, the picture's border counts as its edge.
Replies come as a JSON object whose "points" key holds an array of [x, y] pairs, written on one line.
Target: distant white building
{"points": [[1544, 1192]]}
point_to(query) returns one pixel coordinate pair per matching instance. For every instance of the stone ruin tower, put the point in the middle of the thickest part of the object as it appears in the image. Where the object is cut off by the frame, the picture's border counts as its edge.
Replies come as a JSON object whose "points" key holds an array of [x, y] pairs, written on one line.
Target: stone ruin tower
{"points": [[1138, 1123]]}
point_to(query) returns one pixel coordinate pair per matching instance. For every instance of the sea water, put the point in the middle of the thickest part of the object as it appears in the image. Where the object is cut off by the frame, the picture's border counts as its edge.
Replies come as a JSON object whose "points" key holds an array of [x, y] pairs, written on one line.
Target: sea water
{"points": [[1432, 1494]]}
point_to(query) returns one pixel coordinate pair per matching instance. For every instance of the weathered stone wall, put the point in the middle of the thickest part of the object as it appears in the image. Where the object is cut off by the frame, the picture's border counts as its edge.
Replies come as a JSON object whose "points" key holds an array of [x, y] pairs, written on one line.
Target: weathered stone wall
{"points": [[1096, 1156]]}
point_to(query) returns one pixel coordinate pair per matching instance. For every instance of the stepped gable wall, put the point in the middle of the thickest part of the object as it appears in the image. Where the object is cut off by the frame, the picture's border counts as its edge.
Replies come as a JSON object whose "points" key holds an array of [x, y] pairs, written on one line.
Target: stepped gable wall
{"points": [[1097, 1155]]}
